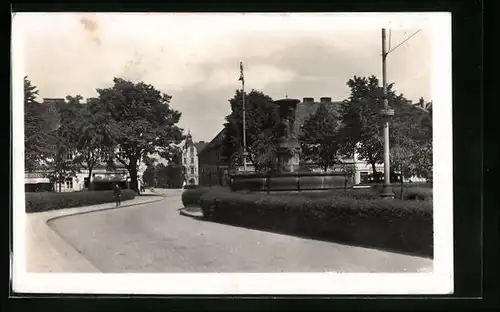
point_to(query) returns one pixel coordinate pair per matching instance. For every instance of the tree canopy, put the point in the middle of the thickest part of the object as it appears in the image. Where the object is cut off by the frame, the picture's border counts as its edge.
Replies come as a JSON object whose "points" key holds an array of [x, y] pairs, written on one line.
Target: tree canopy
{"points": [[40, 123], [140, 122], [261, 137], [319, 138]]}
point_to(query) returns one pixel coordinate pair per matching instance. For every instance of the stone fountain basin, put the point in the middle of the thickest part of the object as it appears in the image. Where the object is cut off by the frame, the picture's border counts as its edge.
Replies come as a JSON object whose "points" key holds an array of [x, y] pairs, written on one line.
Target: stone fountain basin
{"points": [[287, 181]]}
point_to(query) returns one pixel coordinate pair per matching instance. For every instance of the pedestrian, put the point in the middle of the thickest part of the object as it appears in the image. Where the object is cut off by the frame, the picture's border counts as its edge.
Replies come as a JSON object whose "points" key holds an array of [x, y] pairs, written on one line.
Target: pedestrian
{"points": [[117, 191]]}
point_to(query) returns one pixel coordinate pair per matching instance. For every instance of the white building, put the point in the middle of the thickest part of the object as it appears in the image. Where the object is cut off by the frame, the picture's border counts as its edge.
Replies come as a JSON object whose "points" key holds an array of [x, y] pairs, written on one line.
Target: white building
{"points": [[190, 152], [100, 179]]}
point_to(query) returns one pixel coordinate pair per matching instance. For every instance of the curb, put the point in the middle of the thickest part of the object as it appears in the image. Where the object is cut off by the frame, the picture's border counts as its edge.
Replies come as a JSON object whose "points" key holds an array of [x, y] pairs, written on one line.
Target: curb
{"points": [[103, 209], [184, 212]]}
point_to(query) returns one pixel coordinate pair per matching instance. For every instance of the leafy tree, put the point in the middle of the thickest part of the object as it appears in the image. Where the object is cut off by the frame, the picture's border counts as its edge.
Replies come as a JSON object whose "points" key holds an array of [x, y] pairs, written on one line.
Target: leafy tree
{"points": [[362, 123], [175, 175], [410, 137], [64, 165], [92, 139], [140, 121], [149, 176], [319, 140], [261, 138], [39, 124]]}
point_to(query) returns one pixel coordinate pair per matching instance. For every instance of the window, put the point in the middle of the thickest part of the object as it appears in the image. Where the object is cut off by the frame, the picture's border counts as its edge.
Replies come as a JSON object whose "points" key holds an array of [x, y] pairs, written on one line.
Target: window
{"points": [[192, 170], [192, 160], [69, 156], [69, 183], [184, 160]]}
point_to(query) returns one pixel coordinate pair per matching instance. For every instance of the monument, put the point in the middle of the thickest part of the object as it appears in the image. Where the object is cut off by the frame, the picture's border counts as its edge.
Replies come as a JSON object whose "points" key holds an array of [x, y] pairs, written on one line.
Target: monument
{"points": [[288, 175]]}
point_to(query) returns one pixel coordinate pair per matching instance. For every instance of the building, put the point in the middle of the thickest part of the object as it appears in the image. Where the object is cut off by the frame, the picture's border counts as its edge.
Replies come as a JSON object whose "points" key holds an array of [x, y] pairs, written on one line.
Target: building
{"points": [[190, 150], [101, 178], [213, 166]]}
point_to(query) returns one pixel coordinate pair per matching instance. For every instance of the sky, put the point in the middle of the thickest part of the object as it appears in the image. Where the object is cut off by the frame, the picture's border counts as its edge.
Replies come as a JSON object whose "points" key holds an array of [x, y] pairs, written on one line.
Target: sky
{"points": [[195, 57]]}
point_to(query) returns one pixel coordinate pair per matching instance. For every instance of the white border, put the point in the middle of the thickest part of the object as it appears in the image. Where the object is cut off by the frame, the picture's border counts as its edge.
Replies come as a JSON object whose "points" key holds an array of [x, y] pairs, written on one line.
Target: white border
{"points": [[440, 281]]}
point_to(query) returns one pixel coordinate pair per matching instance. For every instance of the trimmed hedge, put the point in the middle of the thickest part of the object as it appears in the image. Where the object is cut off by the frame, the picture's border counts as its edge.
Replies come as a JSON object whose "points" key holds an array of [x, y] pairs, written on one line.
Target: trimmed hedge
{"points": [[191, 196], [405, 226], [39, 202]]}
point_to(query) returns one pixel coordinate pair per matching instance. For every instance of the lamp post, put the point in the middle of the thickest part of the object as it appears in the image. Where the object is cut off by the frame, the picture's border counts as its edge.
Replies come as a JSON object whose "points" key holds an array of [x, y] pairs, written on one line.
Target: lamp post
{"points": [[386, 113]]}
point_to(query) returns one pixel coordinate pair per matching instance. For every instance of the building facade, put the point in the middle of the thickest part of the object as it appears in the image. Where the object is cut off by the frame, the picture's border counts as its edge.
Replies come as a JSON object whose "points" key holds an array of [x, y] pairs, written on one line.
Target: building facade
{"points": [[214, 168], [101, 178], [190, 150]]}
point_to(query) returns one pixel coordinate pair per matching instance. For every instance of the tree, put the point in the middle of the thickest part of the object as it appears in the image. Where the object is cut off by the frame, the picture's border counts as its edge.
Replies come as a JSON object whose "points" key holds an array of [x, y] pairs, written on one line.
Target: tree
{"points": [[411, 140], [140, 121], [261, 137], [318, 139], [40, 122], [92, 139], [149, 176], [64, 164], [362, 123]]}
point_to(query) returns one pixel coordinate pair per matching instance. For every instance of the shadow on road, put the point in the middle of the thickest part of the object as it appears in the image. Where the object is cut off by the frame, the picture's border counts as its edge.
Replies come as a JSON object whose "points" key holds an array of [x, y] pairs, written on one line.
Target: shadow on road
{"points": [[340, 237]]}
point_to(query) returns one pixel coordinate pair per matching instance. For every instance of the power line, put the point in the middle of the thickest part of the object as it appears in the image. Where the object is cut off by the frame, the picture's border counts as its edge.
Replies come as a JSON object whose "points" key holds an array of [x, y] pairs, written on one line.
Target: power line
{"points": [[390, 50]]}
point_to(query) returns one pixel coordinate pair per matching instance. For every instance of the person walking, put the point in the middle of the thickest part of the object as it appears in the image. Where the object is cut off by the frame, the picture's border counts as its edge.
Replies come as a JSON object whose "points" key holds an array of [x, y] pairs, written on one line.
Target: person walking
{"points": [[117, 192]]}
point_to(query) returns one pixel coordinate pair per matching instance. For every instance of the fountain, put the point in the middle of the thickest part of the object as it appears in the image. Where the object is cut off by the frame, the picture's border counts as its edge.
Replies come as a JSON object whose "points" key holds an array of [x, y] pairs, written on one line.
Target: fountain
{"points": [[289, 175]]}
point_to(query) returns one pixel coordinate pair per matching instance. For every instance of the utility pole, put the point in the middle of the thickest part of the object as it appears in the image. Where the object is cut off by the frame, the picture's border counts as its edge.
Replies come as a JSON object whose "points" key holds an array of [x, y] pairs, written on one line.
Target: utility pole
{"points": [[386, 113]]}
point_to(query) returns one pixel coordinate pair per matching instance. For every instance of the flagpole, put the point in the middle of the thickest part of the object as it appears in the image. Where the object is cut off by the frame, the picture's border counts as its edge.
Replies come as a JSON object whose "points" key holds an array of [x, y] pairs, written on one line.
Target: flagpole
{"points": [[242, 78]]}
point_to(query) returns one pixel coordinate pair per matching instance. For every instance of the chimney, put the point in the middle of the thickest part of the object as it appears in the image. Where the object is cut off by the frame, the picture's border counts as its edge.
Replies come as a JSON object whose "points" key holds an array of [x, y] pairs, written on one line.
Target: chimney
{"points": [[53, 100], [326, 100], [91, 99], [308, 100]]}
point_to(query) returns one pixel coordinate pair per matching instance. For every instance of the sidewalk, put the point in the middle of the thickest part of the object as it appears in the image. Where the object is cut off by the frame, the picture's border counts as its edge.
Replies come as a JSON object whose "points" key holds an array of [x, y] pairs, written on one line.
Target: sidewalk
{"points": [[47, 252]]}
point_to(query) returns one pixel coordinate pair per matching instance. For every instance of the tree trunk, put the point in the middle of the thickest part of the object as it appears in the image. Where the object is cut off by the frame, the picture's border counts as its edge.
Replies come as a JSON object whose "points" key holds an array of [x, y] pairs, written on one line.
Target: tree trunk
{"points": [[402, 185], [133, 176], [91, 183], [325, 168], [374, 167]]}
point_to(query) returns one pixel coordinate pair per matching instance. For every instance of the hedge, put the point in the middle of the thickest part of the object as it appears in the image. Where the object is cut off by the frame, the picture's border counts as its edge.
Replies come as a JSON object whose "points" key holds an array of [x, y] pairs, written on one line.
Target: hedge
{"points": [[396, 225], [39, 202], [191, 196]]}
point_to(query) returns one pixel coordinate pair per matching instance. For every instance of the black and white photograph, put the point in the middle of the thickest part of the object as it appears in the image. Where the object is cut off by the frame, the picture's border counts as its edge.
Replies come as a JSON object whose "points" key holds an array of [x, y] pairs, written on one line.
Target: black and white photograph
{"points": [[232, 153]]}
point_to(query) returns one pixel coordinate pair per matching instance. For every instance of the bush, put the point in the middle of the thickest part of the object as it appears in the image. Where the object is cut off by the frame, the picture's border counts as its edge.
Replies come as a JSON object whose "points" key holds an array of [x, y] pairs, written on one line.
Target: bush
{"points": [[405, 226], [190, 187], [412, 191], [191, 196], [38, 202]]}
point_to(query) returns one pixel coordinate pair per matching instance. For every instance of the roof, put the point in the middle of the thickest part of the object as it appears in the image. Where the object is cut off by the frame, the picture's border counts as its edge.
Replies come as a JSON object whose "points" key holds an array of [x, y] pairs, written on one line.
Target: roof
{"points": [[216, 141], [200, 146], [307, 109]]}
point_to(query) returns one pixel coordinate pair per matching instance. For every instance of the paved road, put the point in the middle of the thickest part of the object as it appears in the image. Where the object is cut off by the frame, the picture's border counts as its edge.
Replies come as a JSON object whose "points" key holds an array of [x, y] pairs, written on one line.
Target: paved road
{"points": [[154, 238]]}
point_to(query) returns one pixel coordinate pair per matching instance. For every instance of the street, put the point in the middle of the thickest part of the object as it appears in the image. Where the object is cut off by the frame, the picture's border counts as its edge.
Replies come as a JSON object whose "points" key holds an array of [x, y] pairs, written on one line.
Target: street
{"points": [[155, 238]]}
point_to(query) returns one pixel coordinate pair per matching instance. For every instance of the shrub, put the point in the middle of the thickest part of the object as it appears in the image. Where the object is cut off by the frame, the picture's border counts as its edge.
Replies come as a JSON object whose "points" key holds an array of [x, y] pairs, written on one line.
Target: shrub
{"points": [[397, 225], [190, 187], [412, 191], [38, 202], [191, 197]]}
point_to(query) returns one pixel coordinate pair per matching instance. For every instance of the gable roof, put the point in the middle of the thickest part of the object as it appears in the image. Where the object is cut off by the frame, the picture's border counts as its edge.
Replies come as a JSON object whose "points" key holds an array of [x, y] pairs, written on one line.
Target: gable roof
{"points": [[307, 109], [200, 146], [216, 141]]}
